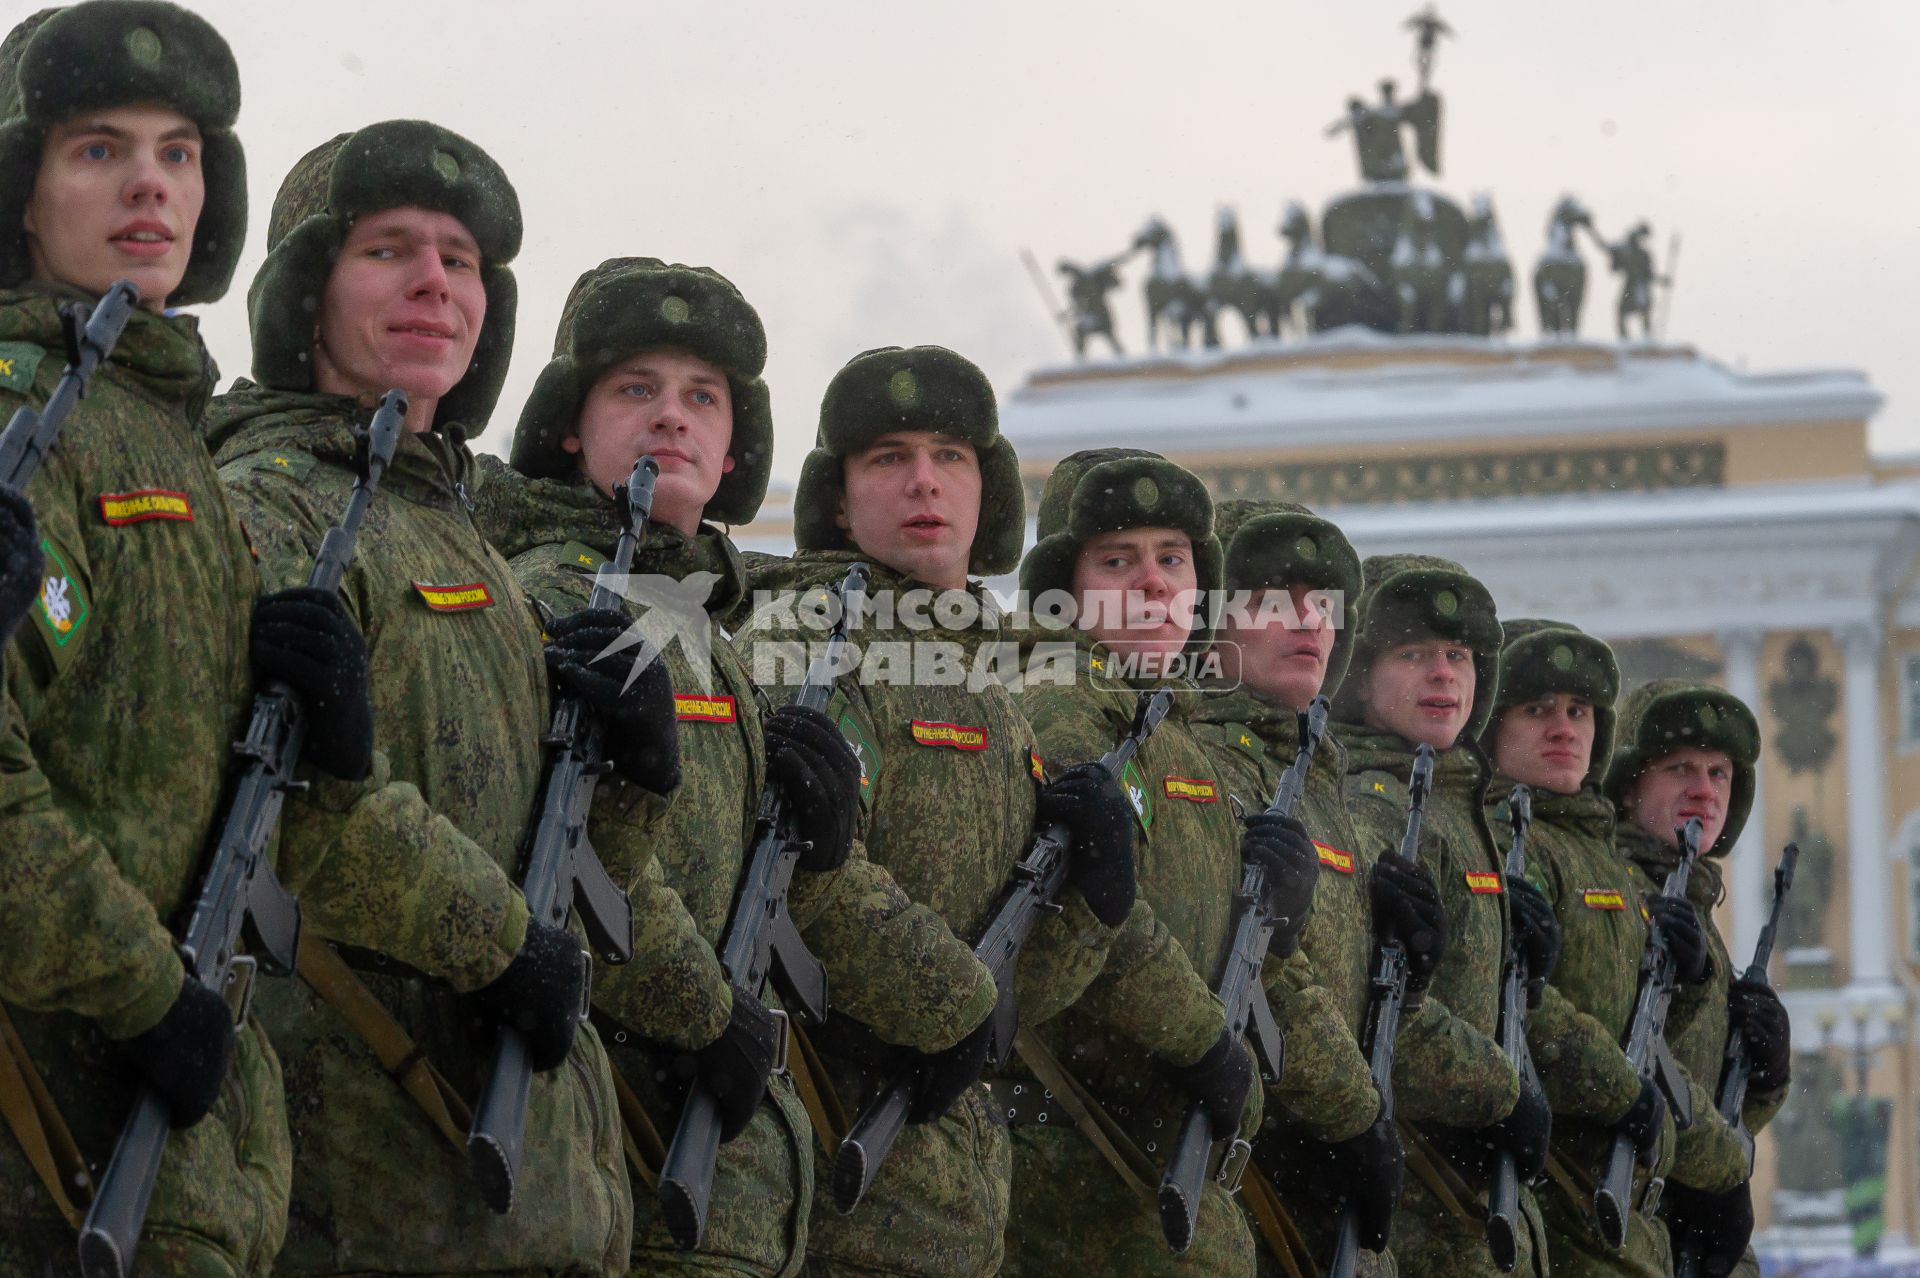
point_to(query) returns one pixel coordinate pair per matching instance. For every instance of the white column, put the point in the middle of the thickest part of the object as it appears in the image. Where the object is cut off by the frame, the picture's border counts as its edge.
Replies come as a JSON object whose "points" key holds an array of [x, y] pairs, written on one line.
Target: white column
{"points": [[1870, 893], [1749, 865]]}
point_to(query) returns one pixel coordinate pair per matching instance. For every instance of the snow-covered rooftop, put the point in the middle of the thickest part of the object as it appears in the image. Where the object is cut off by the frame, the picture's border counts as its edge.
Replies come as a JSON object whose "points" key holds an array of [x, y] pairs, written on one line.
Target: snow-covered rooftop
{"points": [[1355, 387]]}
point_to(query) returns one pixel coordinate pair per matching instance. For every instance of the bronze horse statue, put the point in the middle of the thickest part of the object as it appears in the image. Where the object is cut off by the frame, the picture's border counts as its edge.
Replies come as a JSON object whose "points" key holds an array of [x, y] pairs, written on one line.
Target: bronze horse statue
{"points": [[1489, 304], [1174, 298], [1560, 277], [1333, 289], [1236, 285]]}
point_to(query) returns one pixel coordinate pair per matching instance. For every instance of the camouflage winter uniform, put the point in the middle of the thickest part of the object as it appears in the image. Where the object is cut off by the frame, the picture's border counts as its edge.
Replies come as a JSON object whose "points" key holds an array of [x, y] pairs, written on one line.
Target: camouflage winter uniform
{"points": [[1658, 717], [680, 877], [1319, 996], [1577, 1030], [124, 689], [947, 800], [460, 695]]}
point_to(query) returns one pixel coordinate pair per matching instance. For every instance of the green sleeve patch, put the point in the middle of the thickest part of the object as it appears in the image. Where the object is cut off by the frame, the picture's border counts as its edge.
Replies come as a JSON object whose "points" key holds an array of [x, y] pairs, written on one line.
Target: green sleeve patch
{"points": [[1138, 794], [19, 361], [62, 610], [840, 710]]}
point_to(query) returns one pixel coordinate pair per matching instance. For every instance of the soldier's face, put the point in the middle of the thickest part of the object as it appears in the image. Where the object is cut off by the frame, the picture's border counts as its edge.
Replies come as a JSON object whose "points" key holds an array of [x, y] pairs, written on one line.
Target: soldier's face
{"points": [[912, 501], [671, 406], [117, 196], [1422, 691], [1279, 644], [1671, 790], [1137, 590], [1546, 743], [403, 306]]}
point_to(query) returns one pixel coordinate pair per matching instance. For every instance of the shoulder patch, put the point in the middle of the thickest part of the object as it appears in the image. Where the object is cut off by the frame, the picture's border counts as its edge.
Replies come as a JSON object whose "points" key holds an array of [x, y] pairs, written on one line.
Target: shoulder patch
{"points": [[455, 598], [1602, 899], [62, 609], [1484, 883], [702, 709], [1334, 858], [1037, 766], [953, 735], [143, 504], [19, 361], [289, 462], [1137, 794], [577, 554], [1192, 789], [839, 709]]}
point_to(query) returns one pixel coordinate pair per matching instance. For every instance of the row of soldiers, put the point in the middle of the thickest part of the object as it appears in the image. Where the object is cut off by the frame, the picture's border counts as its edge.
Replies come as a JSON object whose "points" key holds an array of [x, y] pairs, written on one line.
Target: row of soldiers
{"points": [[155, 570]]}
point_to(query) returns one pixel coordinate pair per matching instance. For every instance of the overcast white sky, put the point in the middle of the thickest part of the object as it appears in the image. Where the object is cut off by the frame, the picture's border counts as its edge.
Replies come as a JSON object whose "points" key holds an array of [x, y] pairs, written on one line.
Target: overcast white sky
{"points": [[868, 170]]}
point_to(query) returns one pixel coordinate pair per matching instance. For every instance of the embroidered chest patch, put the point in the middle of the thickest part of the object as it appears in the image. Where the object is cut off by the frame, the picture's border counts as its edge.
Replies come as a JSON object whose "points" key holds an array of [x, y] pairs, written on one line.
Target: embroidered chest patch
{"points": [[1484, 882], [1036, 765], [952, 735], [1192, 789], [142, 504], [1334, 858], [455, 598], [1602, 899], [697, 709]]}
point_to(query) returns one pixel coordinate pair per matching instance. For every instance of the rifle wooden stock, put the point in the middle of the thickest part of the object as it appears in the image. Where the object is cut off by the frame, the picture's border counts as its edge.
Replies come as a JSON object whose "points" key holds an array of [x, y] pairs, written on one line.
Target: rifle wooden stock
{"points": [[239, 892], [563, 875]]}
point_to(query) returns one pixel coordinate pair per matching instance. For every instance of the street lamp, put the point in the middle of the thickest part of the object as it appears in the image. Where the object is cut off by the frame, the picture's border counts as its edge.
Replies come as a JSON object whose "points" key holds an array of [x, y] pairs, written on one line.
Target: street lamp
{"points": [[1865, 1120]]}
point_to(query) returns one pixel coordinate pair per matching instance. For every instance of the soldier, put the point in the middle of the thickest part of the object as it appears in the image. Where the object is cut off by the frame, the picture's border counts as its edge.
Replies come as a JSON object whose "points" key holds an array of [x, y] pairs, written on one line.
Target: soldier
{"points": [[1294, 582], [19, 560], [664, 361], [1425, 668], [402, 233], [911, 475], [119, 161], [1552, 729], [1690, 750], [1128, 537]]}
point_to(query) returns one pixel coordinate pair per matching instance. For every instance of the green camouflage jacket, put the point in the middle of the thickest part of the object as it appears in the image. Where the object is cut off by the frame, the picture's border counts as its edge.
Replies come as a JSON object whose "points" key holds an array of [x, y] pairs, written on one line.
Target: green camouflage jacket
{"points": [[1576, 1032], [125, 689], [1320, 995], [416, 867], [1151, 1005], [1449, 1072], [680, 859], [948, 780], [1709, 1155]]}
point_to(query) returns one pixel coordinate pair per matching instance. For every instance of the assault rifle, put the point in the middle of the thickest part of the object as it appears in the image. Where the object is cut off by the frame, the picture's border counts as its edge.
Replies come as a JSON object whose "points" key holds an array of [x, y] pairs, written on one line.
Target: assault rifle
{"points": [[1736, 1069], [1389, 1000], [90, 337], [761, 940], [563, 873], [1035, 882], [239, 893], [1647, 1050], [1245, 999], [1503, 1193]]}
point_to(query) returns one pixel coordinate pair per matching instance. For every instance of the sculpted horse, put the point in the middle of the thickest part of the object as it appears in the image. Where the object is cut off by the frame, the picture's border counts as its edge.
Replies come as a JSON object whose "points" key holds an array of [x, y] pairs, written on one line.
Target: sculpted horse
{"points": [[1174, 298], [1234, 284], [1489, 304], [1560, 277], [1332, 289], [1427, 289]]}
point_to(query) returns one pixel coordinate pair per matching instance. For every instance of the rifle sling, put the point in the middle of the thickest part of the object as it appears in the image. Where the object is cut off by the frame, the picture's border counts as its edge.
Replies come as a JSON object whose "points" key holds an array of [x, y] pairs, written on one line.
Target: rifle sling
{"points": [[404, 1060], [29, 1112], [1135, 1169], [645, 1150], [1567, 1181], [1282, 1237], [1434, 1171], [825, 1113]]}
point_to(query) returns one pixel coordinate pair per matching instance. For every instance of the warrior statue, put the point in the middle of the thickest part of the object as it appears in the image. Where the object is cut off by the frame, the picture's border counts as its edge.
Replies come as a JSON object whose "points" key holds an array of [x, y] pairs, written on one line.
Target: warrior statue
{"points": [[1489, 272], [1087, 289], [1633, 263], [1376, 133]]}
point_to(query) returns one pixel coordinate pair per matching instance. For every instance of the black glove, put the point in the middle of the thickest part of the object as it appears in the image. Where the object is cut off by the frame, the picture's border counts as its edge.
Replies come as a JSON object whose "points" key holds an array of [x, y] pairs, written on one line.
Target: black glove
{"points": [[1680, 925], [1100, 863], [185, 1056], [943, 1077], [1219, 1083], [540, 994], [1406, 908], [1536, 932], [1762, 1020], [1280, 846], [637, 712], [19, 559], [736, 1065], [1717, 1226], [1643, 1120], [1373, 1165], [1527, 1131], [304, 638], [817, 771]]}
